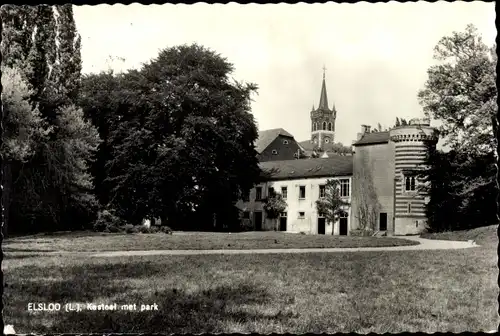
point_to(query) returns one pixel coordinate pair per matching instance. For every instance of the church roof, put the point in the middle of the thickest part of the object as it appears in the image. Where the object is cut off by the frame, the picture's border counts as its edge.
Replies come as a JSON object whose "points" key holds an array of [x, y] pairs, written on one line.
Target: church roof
{"points": [[323, 99], [373, 138], [266, 137], [335, 165]]}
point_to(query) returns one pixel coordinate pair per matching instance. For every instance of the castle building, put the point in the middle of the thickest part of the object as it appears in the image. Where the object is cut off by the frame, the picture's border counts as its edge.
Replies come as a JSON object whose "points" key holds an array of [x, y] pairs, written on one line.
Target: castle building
{"points": [[382, 180]]}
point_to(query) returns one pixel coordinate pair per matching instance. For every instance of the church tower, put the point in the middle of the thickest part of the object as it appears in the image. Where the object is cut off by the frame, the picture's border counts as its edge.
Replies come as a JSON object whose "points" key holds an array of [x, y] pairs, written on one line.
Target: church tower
{"points": [[323, 121]]}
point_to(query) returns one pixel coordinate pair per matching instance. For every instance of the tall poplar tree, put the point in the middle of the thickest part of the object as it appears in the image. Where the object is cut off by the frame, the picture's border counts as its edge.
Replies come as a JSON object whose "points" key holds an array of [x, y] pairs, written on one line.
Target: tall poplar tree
{"points": [[55, 182]]}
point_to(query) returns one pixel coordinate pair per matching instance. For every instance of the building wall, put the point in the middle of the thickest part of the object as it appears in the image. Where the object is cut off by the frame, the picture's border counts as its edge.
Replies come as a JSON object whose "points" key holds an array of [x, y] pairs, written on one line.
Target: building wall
{"points": [[285, 147], [309, 223], [374, 163]]}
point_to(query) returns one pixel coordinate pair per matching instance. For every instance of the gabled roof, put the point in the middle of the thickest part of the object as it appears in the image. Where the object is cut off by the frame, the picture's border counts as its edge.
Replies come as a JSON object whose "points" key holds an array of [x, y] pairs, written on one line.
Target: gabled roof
{"points": [[373, 138], [336, 165], [308, 145], [268, 136]]}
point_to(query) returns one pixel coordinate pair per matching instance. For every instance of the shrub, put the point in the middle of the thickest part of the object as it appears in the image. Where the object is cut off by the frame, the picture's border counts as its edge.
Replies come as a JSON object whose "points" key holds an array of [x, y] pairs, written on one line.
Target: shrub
{"points": [[362, 233], [166, 229], [145, 229], [246, 224], [112, 228], [105, 220], [129, 228]]}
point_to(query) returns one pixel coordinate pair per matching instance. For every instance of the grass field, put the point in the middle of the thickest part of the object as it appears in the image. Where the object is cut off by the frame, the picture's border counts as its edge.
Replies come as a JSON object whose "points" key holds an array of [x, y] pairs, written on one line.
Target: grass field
{"points": [[429, 291], [191, 241]]}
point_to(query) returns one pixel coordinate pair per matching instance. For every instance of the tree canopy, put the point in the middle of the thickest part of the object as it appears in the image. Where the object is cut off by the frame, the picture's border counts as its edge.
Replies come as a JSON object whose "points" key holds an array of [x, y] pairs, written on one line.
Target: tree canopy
{"points": [[461, 93], [54, 185], [179, 136]]}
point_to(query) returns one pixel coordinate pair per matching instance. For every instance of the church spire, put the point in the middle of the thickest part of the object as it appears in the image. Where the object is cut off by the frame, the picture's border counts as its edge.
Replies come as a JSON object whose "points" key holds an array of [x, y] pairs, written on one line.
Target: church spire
{"points": [[323, 100]]}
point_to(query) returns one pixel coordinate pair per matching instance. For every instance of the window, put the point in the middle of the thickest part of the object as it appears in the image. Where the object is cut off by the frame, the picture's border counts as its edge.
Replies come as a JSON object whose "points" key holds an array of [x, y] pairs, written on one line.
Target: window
{"points": [[258, 193], [284, 192], [330, 126], [410, 183], [324, 125], [409, 207], [270, 191], [246, 215], [327, 140], [283, 214], [344, 188], [322, 191], [296, 155], [302, 214], [302, 192], [275, 152], [285, 142], [314, 126]]}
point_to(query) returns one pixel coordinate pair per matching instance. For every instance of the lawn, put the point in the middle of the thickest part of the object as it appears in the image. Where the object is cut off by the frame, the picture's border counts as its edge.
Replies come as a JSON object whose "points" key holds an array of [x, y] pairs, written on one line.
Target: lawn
{"points": [[428, 291], [482, 235], [191, 241]]}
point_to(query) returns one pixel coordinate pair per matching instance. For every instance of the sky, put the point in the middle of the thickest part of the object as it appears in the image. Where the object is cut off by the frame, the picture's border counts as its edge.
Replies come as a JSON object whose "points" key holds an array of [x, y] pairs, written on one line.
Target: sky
{"points": [[376, 55]]}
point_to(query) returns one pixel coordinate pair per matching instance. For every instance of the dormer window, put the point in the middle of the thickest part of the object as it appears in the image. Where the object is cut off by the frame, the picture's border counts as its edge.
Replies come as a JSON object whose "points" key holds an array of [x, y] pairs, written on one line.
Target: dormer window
{"points": [[275, 152], [285, 142]]}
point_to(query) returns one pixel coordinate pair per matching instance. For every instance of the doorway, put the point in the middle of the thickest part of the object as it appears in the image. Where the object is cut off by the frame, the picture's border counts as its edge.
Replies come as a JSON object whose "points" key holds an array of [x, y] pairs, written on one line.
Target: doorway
{"points": [[257, 220], [321, 225], [383, 221], [283, 222], [343, 226]]}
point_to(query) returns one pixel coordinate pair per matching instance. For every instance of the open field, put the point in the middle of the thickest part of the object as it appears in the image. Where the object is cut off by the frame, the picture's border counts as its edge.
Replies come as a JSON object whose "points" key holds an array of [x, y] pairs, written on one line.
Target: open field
{"points": [[452, 290], [191, 241]]}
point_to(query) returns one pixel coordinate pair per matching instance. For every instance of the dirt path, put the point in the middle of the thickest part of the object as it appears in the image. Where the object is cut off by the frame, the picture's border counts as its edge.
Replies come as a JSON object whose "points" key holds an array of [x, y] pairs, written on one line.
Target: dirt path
{"points": [[425, 244]]}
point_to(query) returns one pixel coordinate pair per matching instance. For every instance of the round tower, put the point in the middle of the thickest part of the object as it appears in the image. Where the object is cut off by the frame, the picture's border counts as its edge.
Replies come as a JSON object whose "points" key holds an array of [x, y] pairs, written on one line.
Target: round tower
{"points": [[410, 195]]}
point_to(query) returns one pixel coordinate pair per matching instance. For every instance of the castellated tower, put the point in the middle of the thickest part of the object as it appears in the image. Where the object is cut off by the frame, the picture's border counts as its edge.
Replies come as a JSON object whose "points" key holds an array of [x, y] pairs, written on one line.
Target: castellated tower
{"points": [[323, 121], [410, 154]]}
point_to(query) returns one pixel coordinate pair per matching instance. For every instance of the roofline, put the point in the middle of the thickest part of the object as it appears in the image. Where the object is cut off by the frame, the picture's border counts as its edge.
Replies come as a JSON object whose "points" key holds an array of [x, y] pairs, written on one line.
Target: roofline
{"points": [[305, 177], [371, 143]]}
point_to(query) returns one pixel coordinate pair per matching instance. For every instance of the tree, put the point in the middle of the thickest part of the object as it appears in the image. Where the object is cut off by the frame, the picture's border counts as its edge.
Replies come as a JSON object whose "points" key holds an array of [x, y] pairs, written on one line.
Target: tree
{"points": [[54, 186], [23, 129], [461, 92], [274, 205], [181, 140], [332, 206]]}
